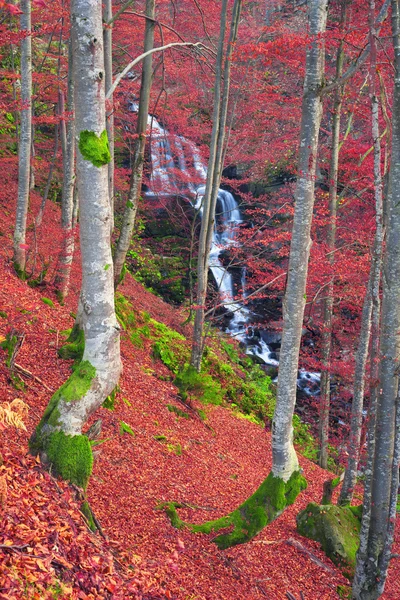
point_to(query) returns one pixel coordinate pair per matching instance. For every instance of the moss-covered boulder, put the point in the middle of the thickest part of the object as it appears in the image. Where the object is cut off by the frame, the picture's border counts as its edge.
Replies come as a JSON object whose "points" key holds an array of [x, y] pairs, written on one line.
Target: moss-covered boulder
{"points": [[337, 529]]}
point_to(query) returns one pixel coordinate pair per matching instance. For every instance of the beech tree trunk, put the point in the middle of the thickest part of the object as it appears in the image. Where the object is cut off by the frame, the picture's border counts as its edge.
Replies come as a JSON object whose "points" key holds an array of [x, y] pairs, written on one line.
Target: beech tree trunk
{"points": [[378, 521], [108, 73], [135, 185], [330, 244], [284, 457], [372, 298], [214, 172], [67, 198], [25, 141], [58, 437]]}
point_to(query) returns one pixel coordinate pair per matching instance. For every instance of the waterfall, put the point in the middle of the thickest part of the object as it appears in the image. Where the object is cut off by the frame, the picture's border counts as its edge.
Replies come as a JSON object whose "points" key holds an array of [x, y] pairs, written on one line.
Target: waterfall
{"points": [[177, 169]]}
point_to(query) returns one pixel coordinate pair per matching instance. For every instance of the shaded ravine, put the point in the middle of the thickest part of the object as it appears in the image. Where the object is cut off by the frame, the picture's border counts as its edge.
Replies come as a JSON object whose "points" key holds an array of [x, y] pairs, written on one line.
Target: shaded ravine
{"points": [[178, 169]]}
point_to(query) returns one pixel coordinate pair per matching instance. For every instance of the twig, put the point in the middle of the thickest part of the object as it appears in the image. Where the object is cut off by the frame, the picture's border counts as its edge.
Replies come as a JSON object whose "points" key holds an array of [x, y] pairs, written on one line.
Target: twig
{"points": [[301, 548], [14, 548], [27, 373]]}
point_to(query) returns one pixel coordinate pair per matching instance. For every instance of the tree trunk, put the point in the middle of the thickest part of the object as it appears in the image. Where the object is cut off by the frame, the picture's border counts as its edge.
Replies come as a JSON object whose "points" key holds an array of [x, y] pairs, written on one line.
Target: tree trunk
{"points": [[25, 142], [108, 75], [378, 523], [135, 185], [283, 453], [214, 173], [372, 300], [67, 200], [58, 437], [330, 244]]}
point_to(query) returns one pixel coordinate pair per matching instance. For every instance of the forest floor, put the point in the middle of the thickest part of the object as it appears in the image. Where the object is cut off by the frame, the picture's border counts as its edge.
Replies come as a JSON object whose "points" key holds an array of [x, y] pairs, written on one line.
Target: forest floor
{"points": [[46, 549]]}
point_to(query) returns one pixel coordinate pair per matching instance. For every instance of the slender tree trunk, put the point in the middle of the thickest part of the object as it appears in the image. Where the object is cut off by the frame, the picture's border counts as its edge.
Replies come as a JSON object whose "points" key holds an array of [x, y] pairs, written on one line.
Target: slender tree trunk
{"points": [[108, 71], [330, 243], [214, 172], [67, 201], [371, 301], [135, 185], [58, 437], [25, 141], [283, 453], [378, 524]]}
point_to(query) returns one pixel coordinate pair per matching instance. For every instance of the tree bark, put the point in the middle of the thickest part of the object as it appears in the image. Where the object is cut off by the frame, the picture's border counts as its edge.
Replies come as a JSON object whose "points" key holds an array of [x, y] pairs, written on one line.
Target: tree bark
{"points": [[214, 172], [330, 244], [25, 141], [108, 73], [283, 453], [377, 525], [67, 200], [371, 301], [58, 437], [135, 185]]}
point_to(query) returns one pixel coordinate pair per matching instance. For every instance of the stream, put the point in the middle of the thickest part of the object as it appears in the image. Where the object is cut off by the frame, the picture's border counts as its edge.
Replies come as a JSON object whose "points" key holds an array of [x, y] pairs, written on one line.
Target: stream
{"points": [[178, 169]]}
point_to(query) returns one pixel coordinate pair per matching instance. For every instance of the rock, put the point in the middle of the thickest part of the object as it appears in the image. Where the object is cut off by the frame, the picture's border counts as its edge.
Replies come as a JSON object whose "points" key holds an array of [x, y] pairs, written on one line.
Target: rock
{"points": [[337, 529]]}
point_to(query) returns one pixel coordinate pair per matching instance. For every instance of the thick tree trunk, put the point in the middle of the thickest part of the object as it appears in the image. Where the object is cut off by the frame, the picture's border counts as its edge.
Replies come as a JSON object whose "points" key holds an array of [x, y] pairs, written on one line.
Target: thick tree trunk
{"points": [[284, 456], [135, 185], [58, 437], [330, 244], [108, 73], [372, 300], [378, 524], [214, 173], [67, 199], [25, 141]]}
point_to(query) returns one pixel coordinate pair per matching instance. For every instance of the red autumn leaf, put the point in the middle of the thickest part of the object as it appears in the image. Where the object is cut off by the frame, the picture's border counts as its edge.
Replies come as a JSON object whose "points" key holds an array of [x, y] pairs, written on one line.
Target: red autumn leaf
{"points": [[14, 10]]}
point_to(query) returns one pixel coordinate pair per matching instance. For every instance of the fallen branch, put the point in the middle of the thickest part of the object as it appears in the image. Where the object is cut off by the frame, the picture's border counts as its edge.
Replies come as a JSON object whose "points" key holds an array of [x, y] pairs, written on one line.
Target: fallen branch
{"points": [[14, 548], [27, 373], [301, 548]]}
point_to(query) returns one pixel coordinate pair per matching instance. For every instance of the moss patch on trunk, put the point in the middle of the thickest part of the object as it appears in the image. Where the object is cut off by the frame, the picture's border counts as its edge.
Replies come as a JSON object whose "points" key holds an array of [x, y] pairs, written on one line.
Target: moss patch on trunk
{"points": [[74, 346], [70, 456], [265, 505], [337, 529]]}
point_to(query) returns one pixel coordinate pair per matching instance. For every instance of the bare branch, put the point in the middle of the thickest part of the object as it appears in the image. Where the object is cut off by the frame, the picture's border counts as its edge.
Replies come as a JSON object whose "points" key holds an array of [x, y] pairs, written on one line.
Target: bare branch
{"points": [[141, 57]]}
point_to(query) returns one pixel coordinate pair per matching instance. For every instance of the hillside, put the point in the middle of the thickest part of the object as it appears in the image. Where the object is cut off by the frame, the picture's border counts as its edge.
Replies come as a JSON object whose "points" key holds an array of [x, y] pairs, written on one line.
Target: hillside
{"points": [[46, 549]]}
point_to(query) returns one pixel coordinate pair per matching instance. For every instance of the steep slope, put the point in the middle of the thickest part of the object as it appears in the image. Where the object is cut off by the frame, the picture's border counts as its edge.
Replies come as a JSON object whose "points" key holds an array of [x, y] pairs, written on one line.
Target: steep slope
{"points": [[209, 467]]}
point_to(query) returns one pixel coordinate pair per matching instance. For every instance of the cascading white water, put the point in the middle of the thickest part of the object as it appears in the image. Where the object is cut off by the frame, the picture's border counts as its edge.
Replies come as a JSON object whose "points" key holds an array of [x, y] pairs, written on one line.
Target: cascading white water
{"points": [[173, 155]]}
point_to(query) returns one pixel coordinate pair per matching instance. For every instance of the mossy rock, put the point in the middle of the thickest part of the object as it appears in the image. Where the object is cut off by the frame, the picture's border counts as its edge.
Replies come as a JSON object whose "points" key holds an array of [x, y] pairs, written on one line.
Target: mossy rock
{"points": [[337, 529]]}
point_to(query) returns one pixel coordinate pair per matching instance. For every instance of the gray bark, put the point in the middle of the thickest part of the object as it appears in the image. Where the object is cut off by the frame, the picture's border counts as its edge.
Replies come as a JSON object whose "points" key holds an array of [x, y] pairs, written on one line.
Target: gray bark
{"points": [[330, 243], [108, 68], [371, 301], [214, 171], [135, 185], [71, 406], [377, 529], [67, 200], [283, 454], [25, 141]]}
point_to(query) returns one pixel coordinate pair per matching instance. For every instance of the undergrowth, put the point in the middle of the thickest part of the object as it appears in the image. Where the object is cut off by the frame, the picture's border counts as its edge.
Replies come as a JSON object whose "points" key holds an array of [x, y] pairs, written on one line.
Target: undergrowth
{"points": [[228, 377]]}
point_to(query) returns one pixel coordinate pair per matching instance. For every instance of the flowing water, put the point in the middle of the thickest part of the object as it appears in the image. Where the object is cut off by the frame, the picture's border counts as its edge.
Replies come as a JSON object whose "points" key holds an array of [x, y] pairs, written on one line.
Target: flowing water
{"points": [[178, 169]]}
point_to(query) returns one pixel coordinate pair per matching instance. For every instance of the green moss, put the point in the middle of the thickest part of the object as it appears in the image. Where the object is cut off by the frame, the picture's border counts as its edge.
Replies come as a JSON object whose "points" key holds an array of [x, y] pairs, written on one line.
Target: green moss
{"points": [[178, 411], [202, 385], [336, 528], [94, 148], [74, 346], [70, 456], [87, 513], [109, 402], [125, 428], [265, 505], [344, 591], [9, 345], [72, 390], [48, 302], [3, 314], [175, 448]]}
